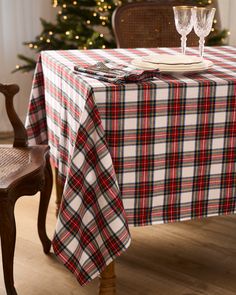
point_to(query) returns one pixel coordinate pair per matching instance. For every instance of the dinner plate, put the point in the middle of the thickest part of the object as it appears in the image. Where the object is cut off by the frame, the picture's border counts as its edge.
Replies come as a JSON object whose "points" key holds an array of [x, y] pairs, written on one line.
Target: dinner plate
{"points": [[177, 68], [170, 59]]}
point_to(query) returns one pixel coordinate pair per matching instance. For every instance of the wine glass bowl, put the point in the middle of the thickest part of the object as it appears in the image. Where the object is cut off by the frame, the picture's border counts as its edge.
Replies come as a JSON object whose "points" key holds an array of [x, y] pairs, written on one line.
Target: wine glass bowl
{"points": [[183, 23], [202, 19]]}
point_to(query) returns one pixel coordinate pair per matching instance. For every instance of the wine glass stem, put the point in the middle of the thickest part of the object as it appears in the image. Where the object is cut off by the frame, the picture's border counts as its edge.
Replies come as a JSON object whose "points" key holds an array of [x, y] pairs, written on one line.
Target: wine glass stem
{"points": [[201, 46], [183, 43]]}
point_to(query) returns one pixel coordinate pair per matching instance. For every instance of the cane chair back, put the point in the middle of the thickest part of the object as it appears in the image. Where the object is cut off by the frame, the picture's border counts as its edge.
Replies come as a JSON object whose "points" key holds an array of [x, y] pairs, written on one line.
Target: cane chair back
{"points": [[148, 24]]}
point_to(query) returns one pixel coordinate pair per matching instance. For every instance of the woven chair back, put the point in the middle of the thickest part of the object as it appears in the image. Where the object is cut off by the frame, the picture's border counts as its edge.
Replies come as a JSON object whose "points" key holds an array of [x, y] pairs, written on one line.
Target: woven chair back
{"points": [[148, 24]]}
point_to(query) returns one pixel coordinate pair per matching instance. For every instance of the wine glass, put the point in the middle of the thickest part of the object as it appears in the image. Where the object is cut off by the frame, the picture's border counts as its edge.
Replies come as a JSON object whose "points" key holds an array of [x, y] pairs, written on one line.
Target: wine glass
{"points": [[203, 19], [183, 23]]}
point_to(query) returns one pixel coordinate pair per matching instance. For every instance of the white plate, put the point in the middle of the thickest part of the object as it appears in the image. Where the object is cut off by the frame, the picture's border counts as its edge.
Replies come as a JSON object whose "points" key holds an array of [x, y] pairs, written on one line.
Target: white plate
{"points": [[189, 68], [170, 59]]}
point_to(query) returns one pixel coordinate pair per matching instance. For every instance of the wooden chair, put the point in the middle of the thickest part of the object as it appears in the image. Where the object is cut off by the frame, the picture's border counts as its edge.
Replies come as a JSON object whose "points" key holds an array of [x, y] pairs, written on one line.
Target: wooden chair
{"points": [[148, 24], [24, 171]]}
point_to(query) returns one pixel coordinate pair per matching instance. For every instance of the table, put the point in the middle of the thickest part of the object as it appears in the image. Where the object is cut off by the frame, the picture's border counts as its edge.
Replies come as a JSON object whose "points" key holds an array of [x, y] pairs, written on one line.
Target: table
{"points": [[133, 154]]}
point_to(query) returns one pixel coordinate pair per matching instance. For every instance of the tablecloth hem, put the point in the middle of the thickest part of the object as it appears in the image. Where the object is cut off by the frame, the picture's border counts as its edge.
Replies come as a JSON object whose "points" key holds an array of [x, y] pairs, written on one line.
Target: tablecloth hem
{"points": [[61, 258]]}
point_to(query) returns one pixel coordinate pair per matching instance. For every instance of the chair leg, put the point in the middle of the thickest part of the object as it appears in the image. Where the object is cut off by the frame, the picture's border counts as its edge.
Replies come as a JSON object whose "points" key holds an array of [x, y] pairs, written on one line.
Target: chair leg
{"points": [[108, 280], [8, 239], [43, 207], [59, 191]]}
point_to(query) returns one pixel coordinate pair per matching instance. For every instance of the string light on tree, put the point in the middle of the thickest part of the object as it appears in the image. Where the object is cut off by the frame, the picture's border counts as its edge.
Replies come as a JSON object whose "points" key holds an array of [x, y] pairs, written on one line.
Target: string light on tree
{"points": [[55, 3]]}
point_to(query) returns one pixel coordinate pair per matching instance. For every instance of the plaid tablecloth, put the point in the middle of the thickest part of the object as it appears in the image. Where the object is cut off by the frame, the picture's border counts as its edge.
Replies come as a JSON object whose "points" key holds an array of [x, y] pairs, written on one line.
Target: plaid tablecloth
{"points": [[137, 154]]}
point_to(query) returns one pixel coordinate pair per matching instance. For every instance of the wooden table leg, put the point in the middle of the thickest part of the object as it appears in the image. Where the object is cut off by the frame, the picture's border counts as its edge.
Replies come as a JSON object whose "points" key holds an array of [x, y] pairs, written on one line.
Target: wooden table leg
{"points": [[108, 280], [59, 191]]}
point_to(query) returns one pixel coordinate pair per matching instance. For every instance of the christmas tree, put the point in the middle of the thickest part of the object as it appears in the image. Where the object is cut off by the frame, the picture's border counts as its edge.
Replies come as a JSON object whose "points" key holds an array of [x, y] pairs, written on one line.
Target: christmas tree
{"points": [[80, 24], [86, 24]]}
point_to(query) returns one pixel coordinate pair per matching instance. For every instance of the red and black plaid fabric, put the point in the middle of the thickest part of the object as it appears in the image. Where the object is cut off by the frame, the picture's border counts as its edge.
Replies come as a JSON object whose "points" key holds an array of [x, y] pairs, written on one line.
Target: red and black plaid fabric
{"points": [[108, 71], [137, 154]]}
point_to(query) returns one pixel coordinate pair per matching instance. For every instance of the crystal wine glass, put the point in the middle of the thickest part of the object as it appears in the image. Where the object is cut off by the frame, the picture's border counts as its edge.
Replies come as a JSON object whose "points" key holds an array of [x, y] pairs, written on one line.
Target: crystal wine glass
{"points": [[183, 23], [203, 19]]}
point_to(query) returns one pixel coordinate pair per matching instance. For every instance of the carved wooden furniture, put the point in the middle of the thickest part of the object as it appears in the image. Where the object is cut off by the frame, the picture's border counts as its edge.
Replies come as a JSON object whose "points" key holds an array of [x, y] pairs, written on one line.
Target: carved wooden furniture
{"points": [[148, 24], [24, 170], [108, 280], [151, 24]]}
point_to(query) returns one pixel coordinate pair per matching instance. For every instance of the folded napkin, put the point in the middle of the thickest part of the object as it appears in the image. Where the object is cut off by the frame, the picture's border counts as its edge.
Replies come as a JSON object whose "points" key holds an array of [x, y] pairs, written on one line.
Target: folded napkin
{"points": [[109, 71]]}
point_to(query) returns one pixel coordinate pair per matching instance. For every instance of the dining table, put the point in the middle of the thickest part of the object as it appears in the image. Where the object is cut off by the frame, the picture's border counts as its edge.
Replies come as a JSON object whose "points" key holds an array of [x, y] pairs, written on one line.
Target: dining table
{"points": [[132, 154]]}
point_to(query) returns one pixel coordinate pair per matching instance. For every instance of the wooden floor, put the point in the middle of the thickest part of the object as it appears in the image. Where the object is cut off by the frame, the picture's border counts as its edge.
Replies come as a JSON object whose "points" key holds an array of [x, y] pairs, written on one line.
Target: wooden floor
{"points": [[187, 258]]}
